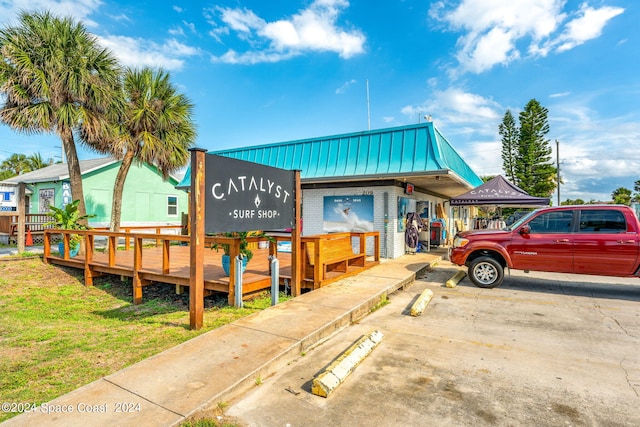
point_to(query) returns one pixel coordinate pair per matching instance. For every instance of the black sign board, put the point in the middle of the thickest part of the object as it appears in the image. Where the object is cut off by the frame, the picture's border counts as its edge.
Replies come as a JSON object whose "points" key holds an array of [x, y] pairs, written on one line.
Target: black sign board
{"points": [[245, 196]]}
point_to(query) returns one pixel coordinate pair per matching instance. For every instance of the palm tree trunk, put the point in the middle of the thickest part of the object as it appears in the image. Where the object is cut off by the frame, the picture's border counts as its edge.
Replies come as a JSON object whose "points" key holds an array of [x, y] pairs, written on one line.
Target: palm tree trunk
{"points": [[75, 176], [118, 187]]}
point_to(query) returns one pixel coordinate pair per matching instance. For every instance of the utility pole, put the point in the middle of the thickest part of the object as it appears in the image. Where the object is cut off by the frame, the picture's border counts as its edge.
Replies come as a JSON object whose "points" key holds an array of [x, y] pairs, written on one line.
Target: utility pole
{"points": [[558, 167]]}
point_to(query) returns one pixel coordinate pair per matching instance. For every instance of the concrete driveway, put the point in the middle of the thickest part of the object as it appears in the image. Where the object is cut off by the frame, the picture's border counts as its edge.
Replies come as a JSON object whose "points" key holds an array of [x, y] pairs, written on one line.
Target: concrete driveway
{"points": [[542, 349]]}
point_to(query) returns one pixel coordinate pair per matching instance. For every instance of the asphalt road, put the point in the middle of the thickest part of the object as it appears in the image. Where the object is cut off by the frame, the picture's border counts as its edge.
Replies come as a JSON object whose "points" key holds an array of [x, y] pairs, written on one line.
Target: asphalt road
{"points": [[541, 350]]}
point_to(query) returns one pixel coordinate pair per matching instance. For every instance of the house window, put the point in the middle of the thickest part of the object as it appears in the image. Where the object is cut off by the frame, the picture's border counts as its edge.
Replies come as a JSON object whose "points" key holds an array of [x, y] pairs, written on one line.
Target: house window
{"points": [[172, 205]]}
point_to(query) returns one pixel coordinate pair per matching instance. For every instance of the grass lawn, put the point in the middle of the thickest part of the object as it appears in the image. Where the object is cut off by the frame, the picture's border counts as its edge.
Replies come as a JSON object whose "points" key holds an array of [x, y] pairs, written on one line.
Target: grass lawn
{"points": [[57, 335]]}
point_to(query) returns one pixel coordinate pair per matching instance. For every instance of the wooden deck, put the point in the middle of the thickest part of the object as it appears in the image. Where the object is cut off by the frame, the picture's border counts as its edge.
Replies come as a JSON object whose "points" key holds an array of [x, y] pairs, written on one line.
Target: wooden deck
{"points": [[255, 278], [166, 258]]}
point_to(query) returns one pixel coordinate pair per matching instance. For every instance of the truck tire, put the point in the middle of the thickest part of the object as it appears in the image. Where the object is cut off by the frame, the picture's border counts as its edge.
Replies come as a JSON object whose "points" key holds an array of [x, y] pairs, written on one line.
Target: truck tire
{"points": [[486, 272]]}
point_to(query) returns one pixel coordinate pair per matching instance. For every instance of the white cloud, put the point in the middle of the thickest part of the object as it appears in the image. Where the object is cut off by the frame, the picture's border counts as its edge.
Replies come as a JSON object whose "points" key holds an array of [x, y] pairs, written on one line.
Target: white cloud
{"points": [[597, 154], [587, 26], [250, 58], [559, 94], [176, 31], [311, 29], [190, 25], [495, 31], [80, 10], [136, 52], [469, 117], [345, 86], [454, 105], [241, 20]]}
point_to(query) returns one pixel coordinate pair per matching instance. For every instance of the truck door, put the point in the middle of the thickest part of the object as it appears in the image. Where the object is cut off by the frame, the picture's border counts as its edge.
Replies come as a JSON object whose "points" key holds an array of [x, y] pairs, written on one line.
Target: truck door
{"points": [[603, 245], [548, 246]]}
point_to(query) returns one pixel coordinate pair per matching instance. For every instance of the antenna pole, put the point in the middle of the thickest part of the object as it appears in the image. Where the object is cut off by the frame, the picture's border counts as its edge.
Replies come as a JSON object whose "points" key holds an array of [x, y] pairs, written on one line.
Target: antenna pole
{"points": [[368, 108], [558, 165]]}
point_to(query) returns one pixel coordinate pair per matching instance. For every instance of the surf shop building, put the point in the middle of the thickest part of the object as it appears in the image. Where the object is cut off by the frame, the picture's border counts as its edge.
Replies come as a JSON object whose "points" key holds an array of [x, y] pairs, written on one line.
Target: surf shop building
{"points": [[370, 181]]}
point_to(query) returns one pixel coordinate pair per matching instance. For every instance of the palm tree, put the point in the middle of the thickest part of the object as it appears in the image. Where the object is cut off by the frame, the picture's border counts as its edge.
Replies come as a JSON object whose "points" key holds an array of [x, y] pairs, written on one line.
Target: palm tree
{"points": [[15, 164], [37, 162], [156, 128], [56, 78]]}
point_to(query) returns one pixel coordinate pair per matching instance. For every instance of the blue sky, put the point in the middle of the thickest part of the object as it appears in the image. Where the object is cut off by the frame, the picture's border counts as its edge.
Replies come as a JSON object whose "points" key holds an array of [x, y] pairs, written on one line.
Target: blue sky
{"points": [[270, 71]]}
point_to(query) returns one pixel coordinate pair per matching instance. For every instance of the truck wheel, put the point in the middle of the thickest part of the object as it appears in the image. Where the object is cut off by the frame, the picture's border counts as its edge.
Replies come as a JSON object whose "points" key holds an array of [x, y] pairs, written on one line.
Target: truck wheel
{"points": [[486, 272]]}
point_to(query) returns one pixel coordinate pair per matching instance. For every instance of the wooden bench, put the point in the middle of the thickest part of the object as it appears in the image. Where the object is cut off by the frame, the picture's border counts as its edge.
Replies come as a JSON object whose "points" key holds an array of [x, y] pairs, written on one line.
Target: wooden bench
{"points": [[327, 254]]}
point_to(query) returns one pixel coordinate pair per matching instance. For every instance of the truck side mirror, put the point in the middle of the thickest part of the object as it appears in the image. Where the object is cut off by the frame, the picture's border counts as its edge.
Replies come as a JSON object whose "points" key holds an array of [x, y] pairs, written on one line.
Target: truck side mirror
{"points": [[525, 229]]}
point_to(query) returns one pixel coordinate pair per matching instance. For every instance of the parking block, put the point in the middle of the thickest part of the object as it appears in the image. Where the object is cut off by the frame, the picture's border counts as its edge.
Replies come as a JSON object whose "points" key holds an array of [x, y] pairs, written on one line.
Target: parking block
{"points": [[335, 374], [422, 302], [453, 282]]}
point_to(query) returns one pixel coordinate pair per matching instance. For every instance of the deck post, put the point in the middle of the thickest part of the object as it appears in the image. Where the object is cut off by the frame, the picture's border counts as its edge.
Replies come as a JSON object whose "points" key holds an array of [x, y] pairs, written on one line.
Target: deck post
{"points": [[196, 244], [88, 259], [165, 256], [22, 207], [137, 266], [47, 246], [113, 247]]}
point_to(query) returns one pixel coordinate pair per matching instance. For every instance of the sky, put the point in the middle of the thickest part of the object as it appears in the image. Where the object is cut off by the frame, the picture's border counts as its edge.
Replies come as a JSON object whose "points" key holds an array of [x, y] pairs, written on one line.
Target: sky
{"points": [[261, 72]]}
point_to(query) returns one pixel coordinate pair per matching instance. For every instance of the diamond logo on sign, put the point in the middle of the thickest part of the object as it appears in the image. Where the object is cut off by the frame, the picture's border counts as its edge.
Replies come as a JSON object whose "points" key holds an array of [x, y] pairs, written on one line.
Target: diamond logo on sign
{"points": [[245, 196]]}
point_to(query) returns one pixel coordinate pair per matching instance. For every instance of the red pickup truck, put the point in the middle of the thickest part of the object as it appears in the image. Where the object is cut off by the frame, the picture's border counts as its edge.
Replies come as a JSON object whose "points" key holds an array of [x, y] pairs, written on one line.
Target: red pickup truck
{"points": [[586, 239]]}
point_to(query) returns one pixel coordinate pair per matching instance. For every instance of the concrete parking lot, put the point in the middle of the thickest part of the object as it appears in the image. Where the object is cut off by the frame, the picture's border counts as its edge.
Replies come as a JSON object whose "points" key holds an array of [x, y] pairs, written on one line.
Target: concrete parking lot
{"points": [[542, 349]]}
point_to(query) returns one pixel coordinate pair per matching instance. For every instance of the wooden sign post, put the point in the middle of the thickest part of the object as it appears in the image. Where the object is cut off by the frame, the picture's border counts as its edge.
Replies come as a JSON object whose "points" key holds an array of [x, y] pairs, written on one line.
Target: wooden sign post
{"points": [[196, 244]]}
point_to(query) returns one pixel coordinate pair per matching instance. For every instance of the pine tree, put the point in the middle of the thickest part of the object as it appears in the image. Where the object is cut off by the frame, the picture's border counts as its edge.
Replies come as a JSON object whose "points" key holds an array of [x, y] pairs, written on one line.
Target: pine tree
{"points": [[509, 132], [526, 153]]}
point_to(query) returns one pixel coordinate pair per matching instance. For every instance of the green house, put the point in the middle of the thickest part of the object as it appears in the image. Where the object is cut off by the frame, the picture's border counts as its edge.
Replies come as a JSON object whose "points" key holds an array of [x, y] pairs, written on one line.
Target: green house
{"points": [[147, 199]]}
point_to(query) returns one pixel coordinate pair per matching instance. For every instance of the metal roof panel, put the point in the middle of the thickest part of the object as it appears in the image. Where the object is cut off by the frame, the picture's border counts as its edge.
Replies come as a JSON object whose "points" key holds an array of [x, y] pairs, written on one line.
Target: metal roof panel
{"points": [[401, 150]]}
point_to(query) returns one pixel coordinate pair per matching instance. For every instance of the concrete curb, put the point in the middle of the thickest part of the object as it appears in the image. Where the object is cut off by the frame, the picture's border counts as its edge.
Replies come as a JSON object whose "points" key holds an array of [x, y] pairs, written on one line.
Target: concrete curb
{"points": [[335, 374], [421, 303], [453, 282]]}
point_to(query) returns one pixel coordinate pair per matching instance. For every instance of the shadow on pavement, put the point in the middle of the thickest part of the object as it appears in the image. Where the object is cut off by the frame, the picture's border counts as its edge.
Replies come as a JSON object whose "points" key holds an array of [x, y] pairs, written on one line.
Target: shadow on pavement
{"points": [[572, 285]]}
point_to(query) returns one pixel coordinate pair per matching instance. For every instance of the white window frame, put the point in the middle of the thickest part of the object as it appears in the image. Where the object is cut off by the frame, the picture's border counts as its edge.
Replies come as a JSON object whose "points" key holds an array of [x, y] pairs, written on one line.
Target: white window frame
{"points": [[169, 205]]}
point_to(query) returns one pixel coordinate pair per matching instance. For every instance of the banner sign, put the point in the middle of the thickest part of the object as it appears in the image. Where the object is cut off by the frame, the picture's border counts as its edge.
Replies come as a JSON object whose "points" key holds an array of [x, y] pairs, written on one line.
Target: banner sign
{"points": [[245, 196], [348, 213]]}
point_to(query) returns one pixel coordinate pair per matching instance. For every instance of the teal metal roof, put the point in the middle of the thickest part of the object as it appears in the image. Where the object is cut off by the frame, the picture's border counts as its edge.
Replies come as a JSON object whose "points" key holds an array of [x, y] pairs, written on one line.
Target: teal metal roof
{"points": [[378, 153]]}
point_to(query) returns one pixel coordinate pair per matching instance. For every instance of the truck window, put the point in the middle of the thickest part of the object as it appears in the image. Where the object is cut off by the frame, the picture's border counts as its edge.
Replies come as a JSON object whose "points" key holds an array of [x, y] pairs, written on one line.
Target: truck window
{"points": [[552, 222], [602, 221]]}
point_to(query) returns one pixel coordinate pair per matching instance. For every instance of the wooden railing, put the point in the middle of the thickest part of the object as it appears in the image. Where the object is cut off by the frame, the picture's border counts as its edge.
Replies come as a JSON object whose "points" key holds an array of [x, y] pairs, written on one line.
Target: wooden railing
{"points": [[151, 229], [37, 223], [138, 270], [321, 263], [34, 224]]}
